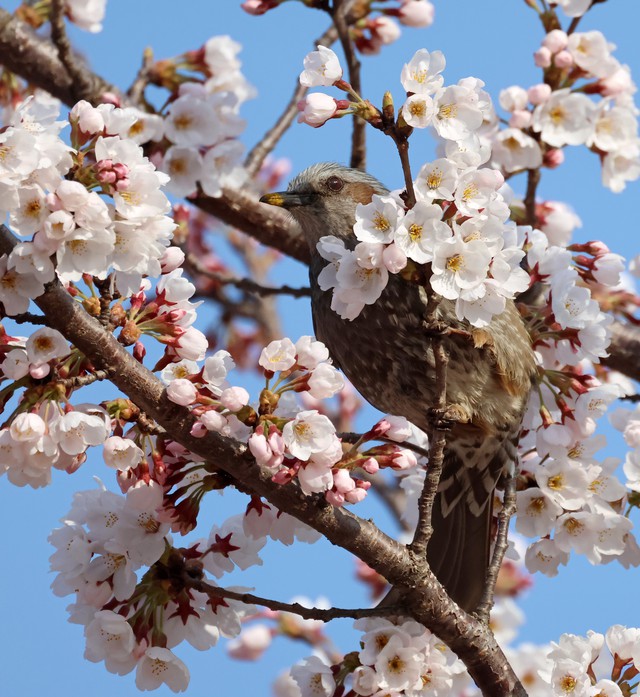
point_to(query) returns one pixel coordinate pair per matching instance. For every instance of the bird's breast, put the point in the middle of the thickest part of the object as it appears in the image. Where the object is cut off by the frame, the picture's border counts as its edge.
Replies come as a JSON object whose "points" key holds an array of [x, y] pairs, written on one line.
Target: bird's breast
{"points": [[387, 353]]}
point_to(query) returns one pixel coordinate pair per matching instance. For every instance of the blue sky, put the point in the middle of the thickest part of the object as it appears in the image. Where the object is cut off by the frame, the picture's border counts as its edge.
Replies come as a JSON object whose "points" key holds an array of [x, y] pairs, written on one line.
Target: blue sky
{"points": [[493, 40]]}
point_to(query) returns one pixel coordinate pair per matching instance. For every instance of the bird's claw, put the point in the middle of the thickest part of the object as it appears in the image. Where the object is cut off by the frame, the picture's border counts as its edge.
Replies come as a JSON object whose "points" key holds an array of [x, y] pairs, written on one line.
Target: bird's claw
{"points": [[445, 419]]}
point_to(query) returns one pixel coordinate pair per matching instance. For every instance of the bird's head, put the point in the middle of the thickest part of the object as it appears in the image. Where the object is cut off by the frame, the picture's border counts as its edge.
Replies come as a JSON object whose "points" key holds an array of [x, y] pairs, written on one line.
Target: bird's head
{"points": [[324, 197]]}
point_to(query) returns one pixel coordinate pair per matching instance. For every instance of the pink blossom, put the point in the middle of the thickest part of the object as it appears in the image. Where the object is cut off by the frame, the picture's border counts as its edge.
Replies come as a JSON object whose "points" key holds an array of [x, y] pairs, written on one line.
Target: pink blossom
{"points": [[251, 644], [171, 259]]}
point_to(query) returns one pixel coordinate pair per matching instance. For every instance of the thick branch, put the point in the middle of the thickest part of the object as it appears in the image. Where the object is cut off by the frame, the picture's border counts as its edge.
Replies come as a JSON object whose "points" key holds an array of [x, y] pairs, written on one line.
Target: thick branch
{"points": [[624, 350], [427, 602], [267, 224], [37, 60]]}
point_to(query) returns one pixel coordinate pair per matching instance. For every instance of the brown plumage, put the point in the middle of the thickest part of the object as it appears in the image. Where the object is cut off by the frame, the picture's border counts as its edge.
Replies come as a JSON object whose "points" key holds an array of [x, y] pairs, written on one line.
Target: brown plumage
{"points": [[387, 354]]}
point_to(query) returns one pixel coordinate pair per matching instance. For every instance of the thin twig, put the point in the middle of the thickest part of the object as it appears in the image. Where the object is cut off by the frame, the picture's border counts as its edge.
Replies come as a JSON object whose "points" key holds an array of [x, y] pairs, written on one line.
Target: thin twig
{"points": [[83, 380], [349, 437], [574, 25], [437, 445], [533, 179], [307, 613], [141, 80], [340, 13], [247, 284], [260, 150], [80, 85], [502, 542], [28, 317], [403, 150]]}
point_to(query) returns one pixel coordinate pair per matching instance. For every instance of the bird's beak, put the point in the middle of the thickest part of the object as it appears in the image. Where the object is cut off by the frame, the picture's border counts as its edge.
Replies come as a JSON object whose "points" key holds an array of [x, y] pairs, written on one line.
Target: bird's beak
{"points": [[288, 199]]}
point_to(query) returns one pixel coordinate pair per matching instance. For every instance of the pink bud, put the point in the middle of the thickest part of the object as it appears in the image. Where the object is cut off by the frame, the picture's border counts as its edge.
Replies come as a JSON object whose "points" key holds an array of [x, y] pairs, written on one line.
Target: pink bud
{"points": [[416, 13], [182, 392], [342, 481], [520, 119], [39, 371], [384, 29], [370, 465], [538, 94], [234, 398], [355, 496], [139, 351], [258, 7], [171, 259], [563, 60], [316, 109], [556, 40], [542, 57], [334, 498], [251, 644], [553, 158], [404, 459], [394, 258]]}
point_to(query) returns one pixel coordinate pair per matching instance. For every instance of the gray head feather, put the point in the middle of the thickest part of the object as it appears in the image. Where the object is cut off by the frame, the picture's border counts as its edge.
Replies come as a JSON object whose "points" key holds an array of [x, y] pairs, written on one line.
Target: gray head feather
{"points": [[330, 210]]}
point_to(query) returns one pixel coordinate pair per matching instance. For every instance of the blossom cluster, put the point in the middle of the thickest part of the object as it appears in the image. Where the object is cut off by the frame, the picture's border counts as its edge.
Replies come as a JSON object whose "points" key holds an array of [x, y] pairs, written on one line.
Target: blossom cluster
{"points": [[105, 541], [54, 196], [202, 122], [561, 111], [578, 662], [569, 492], [288, 442], [399, 659], [406, 660], [37, 441], [113, 551]]}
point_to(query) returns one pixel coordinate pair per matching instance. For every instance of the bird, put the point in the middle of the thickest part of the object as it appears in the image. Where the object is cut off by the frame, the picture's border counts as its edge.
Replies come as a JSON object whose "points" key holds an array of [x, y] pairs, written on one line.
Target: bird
{"points": [[387, 354]]}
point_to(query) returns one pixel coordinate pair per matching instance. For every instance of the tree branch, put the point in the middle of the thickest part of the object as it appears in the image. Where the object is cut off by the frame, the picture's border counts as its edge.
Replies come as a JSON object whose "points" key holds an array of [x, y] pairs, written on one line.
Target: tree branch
{"points": [[36, 60], [246, 284], [533, 179], [500, 548], [307, 613], [438, 440], [427, 603], [340, 16], [80, 83]]}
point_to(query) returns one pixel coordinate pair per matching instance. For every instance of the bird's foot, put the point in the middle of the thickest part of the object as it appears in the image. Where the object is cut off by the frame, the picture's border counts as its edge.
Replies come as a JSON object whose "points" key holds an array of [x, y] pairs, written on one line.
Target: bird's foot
{"points": [[436, 328], [445, 419]]}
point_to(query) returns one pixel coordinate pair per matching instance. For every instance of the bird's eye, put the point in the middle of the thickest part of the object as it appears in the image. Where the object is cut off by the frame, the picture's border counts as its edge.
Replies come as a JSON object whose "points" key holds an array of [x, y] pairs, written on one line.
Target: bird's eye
{"points": [[334, 184]]}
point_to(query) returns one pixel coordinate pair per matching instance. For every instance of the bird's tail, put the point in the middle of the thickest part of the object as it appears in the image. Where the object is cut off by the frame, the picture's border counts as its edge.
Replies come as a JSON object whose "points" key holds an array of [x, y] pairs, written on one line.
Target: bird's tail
{"points": [[458, 551]]}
